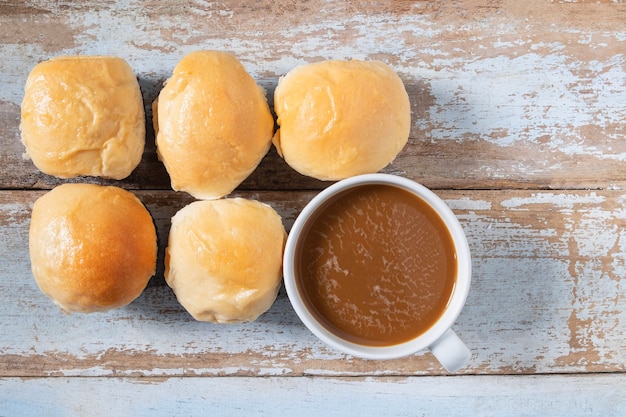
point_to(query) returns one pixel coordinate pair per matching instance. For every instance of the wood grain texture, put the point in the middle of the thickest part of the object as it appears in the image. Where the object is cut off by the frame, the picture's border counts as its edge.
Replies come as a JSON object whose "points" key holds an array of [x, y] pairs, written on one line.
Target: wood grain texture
{"points": [[547, 297], [503, 94], [556, 396], [518, 122]]}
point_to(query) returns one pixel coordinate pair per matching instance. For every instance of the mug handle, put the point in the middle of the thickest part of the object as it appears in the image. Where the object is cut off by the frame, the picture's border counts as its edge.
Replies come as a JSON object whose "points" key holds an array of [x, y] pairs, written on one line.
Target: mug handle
{"points": [[450, 351]]}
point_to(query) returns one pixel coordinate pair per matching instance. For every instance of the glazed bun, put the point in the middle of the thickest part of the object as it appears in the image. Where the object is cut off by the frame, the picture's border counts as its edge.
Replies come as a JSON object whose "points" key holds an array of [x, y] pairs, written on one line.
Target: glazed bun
{"points": [[213, 124], [83, 115], [92, 248], [341, 118], [224, 259]]}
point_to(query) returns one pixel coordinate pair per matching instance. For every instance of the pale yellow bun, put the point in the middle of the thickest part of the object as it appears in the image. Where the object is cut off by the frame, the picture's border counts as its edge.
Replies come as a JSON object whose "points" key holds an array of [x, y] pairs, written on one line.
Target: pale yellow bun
{"points": [[92, 247], [213, 124], [83, 115], [224, 259], [341, 118]]}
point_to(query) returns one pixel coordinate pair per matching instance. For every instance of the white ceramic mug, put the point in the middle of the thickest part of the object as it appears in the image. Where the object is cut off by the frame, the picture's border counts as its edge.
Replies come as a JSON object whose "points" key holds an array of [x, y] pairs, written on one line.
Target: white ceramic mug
{"points": [[440, 339]]}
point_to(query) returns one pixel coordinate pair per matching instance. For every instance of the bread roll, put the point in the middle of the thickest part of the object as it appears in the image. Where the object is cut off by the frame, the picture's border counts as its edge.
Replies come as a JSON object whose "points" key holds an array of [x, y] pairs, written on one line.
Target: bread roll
{"points": [[83, 115], [224, 259], [213, 124], [341, 118], [92, 248]]}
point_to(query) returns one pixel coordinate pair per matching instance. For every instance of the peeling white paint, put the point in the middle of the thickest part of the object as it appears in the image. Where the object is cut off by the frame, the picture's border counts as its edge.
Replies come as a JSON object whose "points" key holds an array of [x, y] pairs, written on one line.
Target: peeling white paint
{"points": [[508, 100], [598, 227], [560, 201], [516, 91], [548, 266], [525, 271], [468, 203]]}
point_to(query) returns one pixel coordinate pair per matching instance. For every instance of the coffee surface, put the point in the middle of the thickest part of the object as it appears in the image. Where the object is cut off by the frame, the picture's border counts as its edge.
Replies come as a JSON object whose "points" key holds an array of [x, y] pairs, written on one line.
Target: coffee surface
{"points": [[377, 265]]}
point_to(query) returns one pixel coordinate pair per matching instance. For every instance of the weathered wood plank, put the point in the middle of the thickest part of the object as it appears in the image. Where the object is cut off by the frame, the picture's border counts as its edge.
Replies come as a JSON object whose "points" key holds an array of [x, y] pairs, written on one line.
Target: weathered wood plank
{"points": [[555, 395], [503, 94], [509, 100], [547, 296]]}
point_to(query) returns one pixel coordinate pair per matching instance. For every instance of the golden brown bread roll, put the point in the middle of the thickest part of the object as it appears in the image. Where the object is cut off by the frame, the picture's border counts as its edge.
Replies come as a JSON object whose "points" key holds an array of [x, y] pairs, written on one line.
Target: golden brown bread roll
{"points": [[341, 118], [213, 124], [83, 115], [92, 247], [224, 259]]}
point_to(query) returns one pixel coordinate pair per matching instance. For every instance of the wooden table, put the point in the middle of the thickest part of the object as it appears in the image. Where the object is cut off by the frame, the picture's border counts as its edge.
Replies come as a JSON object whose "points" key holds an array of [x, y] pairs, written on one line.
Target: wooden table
{"points": [[519, 123]]}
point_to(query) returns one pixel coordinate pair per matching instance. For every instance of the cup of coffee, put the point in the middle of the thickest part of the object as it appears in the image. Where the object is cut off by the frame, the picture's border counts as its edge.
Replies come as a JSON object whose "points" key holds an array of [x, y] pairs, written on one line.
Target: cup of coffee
{"points": [[378, 266]]}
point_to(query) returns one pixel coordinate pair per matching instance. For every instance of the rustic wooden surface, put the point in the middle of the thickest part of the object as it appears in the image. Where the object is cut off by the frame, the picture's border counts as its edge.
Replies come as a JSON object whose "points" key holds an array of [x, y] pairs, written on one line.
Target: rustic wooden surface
{"points": [[519, 123]]}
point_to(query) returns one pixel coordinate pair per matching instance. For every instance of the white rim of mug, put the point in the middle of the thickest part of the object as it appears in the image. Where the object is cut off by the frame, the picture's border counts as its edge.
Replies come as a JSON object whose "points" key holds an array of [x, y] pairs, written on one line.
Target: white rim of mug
{"points": [[457, 300]]}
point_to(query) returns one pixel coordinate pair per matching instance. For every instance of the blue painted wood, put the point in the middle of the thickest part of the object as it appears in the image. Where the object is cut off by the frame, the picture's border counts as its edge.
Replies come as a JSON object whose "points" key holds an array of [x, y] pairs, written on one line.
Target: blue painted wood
{"points": [[501, 396]]}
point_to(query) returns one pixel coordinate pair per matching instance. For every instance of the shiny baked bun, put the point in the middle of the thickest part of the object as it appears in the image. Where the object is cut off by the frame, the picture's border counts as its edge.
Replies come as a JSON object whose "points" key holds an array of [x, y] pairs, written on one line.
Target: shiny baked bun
{"points": [[224, 259], [213, 124], [341, 118], [92, 247], [83, 115]]}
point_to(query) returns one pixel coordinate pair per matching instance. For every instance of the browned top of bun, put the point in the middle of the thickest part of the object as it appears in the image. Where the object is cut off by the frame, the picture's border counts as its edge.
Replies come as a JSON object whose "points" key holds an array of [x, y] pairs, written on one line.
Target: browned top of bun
{"points": [[92, 248]]}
